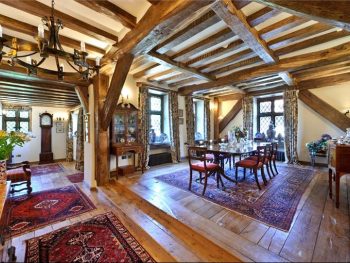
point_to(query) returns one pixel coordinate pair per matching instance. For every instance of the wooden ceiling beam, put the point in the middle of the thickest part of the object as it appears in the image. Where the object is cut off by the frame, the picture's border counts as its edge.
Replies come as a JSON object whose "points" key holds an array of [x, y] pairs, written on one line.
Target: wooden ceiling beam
{"points": [[235, 96], [39, 9], [14, 87], [236, 65], [324, 109], [147, 71], [334, 13], [318, 71], [158, 23], [288, 78], [178, 66], [311, 42], [210, 41], [269, 90], [261, 16], [236, 21], [324, 81], [28, 29], [163, 74], [233, 46], [183, 82], [189, 31], [111, 10], [175, 78], [230, 115], [239, 4], [83, 95], [280, 26], [36, 102], [323, 57], [35, 96]]}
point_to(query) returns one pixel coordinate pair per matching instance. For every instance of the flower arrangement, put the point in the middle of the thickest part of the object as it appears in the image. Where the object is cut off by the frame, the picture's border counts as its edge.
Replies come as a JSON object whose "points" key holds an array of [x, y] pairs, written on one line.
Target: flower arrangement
{"points": [[318, 146], [239, 133], [8, 141]]}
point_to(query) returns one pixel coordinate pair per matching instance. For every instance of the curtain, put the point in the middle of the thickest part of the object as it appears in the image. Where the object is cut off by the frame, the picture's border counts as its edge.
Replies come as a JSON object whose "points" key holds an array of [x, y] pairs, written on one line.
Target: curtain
{"points": [[248, 115], [207, 119], [174, 126], [69, 139], [291, 125], [189, 120], [79, 164], [144, 125]]}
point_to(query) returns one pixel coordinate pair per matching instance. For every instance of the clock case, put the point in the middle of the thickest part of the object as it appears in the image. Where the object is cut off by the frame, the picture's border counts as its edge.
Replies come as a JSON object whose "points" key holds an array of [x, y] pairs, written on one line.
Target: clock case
{"points": [[46, 154]]}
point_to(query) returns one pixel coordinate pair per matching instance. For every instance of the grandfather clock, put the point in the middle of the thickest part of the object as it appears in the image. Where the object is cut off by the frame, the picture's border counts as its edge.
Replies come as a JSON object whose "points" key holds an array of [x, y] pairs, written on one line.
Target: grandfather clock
{"points": [[46, 155]]}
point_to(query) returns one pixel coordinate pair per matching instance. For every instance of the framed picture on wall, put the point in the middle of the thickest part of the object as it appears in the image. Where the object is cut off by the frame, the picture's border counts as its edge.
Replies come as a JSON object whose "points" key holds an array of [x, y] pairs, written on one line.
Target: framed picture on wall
{"points": [[181, 121], [181, 113], [60, 127]]}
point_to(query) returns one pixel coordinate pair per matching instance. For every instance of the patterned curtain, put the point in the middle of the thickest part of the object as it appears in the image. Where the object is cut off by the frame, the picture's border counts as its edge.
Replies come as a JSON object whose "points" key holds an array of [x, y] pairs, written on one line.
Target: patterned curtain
{"points": [[189, 120], [248, 115], [69, 139], [291, 125], [144, 125], [79, 164], [174, 126], [207, 118]]}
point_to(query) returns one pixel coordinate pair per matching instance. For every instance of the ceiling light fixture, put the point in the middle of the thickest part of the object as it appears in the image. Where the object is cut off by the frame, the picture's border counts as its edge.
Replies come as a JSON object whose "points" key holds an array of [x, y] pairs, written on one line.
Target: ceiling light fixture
{"points": [[47, 47]]}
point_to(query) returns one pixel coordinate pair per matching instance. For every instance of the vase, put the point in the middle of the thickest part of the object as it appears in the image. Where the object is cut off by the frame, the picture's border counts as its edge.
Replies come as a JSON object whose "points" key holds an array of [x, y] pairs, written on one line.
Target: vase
{"points": [[3, 172]]}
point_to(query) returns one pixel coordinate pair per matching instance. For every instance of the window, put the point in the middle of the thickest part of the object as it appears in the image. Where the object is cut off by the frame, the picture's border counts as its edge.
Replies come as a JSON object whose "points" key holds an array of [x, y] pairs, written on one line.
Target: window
{"points": [[199, 120], [158, 119], [17, 119], [270, 110]]}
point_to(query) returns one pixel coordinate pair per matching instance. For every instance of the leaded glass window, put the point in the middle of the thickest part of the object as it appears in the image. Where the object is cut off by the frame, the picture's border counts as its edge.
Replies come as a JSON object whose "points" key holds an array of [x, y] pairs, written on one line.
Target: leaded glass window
{"points": [[270, 110], [17, 119]]}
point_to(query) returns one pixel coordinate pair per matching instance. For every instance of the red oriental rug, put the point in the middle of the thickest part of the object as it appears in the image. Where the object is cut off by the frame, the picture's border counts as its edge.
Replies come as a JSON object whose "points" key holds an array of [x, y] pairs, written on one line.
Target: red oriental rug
{"points": [[46, 169], [102, 238], [28, 212], [76, 178], [274, 205]]}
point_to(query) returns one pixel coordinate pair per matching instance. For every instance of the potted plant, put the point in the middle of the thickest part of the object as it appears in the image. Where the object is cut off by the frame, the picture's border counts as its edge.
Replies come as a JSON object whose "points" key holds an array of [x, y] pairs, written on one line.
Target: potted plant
{"points": [[8, 141]]}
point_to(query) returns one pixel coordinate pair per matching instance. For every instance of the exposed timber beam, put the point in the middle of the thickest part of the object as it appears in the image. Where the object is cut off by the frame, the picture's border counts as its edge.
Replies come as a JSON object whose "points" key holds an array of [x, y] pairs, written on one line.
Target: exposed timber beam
{"points": [[120, 72], [324, 109], [324, 82], [261, 16], [335, 13], [111, 10], [318, 58], [237, 22], [230, 115], [235, 96], [39, 9], [287, 77], [178, 66], [31, 30], [158, 23], [83, 96]]}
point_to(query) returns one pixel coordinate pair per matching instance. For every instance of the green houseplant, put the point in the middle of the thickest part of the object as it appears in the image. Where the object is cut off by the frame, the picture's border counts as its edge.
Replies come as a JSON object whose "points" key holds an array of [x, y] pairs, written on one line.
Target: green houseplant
{"points": [[8, 141]]}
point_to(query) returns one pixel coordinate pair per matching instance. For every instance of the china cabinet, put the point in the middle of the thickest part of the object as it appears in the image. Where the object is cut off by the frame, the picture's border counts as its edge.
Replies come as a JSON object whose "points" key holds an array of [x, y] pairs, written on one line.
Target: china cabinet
{"points": [[124, 133]]}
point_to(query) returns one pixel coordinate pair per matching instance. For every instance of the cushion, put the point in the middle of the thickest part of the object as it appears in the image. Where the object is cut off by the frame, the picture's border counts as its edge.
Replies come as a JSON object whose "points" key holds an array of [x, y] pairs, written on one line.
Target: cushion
{"points": [[248, 163], [200, 166], [255, 158]]}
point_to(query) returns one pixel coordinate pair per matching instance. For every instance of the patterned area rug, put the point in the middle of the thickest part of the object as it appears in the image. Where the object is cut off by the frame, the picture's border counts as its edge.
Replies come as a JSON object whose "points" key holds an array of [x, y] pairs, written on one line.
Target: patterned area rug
{"points": [[76, 178], [27, 212], [102, 238], [46, 169], [274, 205]]}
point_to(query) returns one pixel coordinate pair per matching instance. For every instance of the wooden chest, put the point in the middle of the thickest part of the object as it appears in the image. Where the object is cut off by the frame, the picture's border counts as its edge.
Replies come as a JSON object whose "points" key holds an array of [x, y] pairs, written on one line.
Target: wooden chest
{"points": [[126, 169]]}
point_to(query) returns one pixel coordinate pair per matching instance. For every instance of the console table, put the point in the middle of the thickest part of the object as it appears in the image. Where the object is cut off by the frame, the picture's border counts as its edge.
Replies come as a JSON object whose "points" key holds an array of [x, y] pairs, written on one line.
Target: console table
{"points": [[121, 149], [338, 165]]}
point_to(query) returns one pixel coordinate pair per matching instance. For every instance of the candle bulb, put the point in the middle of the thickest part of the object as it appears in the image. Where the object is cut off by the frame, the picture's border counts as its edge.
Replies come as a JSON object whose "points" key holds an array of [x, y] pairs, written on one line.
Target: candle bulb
{"points": [[29, 60], [62, 67], [0, 31], [41, 31], [98, 59], [82, 46]]}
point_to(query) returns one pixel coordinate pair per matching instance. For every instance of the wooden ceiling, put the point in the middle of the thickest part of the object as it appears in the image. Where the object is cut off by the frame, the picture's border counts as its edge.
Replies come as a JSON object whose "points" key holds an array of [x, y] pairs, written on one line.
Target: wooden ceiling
{"points": [[206, 47]]}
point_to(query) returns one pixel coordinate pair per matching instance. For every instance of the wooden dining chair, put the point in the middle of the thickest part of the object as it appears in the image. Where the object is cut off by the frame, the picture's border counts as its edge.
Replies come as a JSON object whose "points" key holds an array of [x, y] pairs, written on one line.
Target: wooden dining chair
{"points": [[274, 147], [256, 164], [267, 159], [198, 161]]}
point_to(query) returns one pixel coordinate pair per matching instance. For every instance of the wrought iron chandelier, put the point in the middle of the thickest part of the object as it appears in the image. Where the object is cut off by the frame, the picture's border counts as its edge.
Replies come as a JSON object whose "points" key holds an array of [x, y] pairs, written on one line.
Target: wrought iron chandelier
{"points": [[46, 48]]}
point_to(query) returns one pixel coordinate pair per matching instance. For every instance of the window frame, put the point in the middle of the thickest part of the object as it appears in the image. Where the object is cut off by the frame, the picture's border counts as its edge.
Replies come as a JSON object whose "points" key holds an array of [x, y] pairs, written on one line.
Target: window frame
{"points": [[160, 113], [17, 119], [271, 114]]}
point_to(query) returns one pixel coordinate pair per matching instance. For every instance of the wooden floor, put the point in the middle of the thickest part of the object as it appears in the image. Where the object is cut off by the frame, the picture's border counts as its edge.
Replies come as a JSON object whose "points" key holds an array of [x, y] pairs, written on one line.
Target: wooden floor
{"points": [[175, 225]]}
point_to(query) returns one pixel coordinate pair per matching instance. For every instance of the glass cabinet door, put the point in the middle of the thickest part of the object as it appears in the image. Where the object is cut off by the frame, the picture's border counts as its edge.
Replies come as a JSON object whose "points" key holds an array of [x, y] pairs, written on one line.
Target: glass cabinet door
{"points": [[132, 127], [119, 128]]}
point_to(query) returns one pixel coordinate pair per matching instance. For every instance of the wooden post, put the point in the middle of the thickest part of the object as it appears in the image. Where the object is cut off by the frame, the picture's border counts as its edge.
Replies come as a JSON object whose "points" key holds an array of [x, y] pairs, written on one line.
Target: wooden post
{"points": [[101, 83]]}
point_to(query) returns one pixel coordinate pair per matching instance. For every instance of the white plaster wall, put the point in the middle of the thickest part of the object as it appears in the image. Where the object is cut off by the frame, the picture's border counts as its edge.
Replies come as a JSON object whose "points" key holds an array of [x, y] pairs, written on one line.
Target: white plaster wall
{"points": [[225, 107], [31, 150]]}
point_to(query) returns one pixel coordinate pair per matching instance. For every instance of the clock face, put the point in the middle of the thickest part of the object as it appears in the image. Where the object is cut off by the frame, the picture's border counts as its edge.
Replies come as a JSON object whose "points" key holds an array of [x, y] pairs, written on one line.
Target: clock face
{"points": [[46, 120]]}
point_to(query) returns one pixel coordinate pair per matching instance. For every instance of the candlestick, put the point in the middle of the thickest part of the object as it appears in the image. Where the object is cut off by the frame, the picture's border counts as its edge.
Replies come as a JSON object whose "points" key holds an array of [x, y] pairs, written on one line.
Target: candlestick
{"points": [[82, 46], [0, 31], [41, 31], [97, 60]]}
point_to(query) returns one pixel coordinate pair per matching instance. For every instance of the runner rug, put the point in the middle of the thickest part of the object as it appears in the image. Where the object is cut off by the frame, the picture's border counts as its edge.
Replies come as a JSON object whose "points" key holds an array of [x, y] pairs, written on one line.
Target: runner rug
{"points": [[25, 213], [102, 238], [274, 205], [76, 178], [46, 169]]}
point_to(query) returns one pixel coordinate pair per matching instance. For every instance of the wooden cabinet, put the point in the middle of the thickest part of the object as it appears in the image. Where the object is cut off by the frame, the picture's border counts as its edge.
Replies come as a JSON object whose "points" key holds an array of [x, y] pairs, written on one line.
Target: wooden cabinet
{"points": [[338, 165], [124, 133]]}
